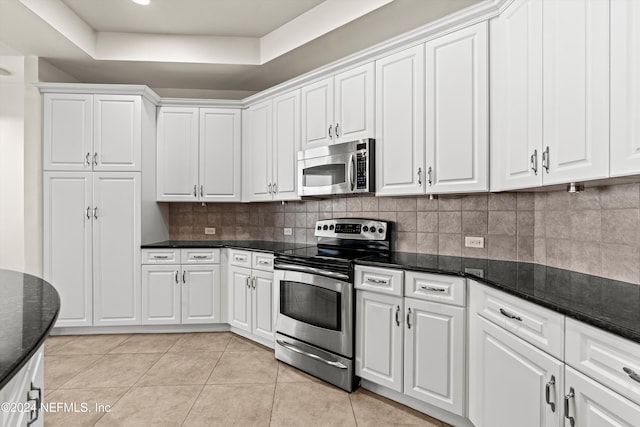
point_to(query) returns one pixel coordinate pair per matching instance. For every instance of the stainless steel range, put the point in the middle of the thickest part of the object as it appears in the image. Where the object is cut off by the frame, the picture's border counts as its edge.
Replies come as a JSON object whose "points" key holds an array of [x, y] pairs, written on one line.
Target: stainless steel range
{"points": [[315, 296]]}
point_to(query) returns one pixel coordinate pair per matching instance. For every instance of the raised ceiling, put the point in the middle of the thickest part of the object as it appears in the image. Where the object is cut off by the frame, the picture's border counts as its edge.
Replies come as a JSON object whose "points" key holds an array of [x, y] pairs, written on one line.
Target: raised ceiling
{"points": [[230, 47]]}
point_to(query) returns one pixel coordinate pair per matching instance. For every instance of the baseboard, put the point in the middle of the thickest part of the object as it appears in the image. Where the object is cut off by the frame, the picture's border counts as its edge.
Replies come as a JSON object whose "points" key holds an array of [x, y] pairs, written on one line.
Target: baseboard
{"points": [[139, 329], [250, 336]]}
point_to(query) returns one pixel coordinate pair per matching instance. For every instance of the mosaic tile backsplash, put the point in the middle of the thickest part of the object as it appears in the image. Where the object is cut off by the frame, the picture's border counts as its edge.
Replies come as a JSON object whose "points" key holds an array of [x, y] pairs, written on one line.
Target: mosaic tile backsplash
{"points": [[594, 232]]}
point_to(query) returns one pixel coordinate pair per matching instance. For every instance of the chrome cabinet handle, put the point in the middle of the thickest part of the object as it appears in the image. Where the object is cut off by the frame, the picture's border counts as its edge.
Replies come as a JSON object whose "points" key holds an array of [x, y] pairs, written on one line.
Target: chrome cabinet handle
{"points": [[568, 397], [312, 356], [95, 212], [545, 159], [429, 172], [275, 188], [337, 130], [547, 393], [269, 188], [397, 315], [377, 281], [432, 289], [408, 318], [88, 212], [253, 282], [38, 402], [195, 191], [87, 159], [184, 280], [419, 176], [247, 280], [632, 374], [509, 315], [177, 280], [95, 159], [534, 162], [330, 134], [202, 191]]}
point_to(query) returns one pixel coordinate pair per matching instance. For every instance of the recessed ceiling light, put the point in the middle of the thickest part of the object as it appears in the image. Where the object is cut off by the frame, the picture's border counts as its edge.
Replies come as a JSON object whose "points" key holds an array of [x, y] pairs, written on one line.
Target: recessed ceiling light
{"points": [[4, 72], [142, 2]]}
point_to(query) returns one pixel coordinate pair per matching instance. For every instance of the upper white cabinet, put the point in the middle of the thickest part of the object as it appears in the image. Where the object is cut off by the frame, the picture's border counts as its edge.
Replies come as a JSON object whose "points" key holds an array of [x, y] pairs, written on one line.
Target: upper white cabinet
{"points": [[198, 155], [338, 108], [457, 111], [550, 93], [625, 88], [84, 132], [272, 141], [400, 147]]}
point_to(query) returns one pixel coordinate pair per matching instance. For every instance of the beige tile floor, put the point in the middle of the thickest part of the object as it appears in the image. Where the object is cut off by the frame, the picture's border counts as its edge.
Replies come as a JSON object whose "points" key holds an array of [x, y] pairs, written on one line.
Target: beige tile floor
{"points": [[197, 379]]}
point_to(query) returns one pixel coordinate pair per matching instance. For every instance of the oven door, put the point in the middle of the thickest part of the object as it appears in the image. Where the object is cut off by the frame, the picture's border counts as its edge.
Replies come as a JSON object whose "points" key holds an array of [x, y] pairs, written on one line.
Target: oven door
{"points": [[332, 174], [315, 309]]}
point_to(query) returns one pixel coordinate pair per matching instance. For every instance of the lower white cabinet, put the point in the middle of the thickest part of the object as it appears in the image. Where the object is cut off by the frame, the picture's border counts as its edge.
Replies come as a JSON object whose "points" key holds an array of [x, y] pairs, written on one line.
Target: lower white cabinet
{"points": [[251, 294], [181, 293], [26, 391]]}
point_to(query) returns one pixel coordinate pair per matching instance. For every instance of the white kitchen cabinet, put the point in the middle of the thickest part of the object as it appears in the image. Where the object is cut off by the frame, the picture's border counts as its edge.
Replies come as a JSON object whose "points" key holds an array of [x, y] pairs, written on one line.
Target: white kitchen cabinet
{"points": [[262, 311], [399, 121], [198, 155], [591, 404], [239, 279], [339, 108], [379, 339], [181, 293], [272, 143], [91, 246], [84, 132], [116, 248], [25, 391], [457, 111], [625, 88], [509, 379], [434, 354]]}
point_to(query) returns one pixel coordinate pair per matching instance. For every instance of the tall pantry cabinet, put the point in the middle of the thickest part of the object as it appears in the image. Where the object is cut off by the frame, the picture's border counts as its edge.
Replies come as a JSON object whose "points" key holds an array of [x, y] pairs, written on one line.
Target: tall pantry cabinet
{"points": [[92, 192]]}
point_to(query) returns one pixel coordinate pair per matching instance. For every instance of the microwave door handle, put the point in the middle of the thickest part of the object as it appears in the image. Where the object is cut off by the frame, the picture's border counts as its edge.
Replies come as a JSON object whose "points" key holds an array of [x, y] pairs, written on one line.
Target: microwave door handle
{"points": [[351, 172]]}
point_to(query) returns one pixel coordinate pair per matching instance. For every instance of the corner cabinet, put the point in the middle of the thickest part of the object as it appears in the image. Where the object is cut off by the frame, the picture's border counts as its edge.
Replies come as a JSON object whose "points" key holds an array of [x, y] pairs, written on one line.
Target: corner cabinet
{"points": [[198, 156], [272, 141], [339, 108]]}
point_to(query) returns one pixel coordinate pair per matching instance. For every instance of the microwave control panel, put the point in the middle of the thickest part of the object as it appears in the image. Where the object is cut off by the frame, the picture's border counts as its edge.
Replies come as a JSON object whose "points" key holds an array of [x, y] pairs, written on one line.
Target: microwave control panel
{"points": [[361, 167]]}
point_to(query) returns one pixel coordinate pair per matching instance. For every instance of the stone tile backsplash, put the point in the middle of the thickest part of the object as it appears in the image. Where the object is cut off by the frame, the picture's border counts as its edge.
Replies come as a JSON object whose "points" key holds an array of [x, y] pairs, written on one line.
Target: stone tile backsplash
{"points": [[594, 232]]}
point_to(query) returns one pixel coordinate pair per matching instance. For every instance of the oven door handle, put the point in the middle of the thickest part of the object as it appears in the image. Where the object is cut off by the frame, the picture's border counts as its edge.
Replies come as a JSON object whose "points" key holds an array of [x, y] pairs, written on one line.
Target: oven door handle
{"points": [[313, 270], [313, 356]]}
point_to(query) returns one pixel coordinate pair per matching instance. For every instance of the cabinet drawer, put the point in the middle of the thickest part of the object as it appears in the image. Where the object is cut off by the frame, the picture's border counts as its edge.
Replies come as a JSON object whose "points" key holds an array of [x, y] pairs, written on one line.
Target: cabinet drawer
{"points": [[435, 287], [607, 358], [161, 256], [240, 258], [200, 256], [381, 280], [537, 325], [262, 261]]}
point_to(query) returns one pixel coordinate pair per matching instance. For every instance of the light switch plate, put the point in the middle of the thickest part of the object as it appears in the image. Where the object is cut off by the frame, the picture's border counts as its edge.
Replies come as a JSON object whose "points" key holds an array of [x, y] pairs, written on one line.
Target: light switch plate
{"points": [[209, 230], [288, 231], [473, 242]]}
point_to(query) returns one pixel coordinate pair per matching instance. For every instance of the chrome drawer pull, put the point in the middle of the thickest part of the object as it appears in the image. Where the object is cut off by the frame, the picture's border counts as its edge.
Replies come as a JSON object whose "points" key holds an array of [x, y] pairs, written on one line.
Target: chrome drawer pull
{"points": [[377, 281], [38, 403], [432, 289], [510, 316], [547, 393], [264, 263], [313, 356], [161, 257], [632, 374], [239, 258], [200, 257], [568, 397]]}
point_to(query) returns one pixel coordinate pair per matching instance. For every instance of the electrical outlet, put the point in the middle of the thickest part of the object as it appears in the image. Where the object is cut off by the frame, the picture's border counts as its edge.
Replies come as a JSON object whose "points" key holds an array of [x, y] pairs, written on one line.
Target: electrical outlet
{"points": [[209, 230], [473, 242], [479, 272], [288, 231]]}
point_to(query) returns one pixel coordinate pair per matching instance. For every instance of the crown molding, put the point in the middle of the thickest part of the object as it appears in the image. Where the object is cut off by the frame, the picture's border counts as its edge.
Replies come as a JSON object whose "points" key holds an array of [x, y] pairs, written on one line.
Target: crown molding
{"points": [[104, 89], [198, 102]]}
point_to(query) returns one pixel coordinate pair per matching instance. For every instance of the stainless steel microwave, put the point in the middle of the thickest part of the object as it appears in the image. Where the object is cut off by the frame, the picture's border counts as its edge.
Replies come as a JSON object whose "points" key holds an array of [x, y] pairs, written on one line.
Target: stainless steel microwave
{"points": [[342, 168]]}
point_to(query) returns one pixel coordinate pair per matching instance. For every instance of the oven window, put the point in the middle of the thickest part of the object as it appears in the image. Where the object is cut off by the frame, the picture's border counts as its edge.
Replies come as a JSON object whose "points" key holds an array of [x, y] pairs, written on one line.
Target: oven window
{"points": [[324, 175], [311, 304]]}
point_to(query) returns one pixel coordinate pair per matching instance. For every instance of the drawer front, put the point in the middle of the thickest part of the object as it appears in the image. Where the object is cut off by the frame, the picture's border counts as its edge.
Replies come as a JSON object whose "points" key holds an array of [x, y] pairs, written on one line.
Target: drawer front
{"points": [[200, 256], [435, 287], [161, 256], [381, 280], [537, 325], [240, 258], [605, 357], [262, 261]]}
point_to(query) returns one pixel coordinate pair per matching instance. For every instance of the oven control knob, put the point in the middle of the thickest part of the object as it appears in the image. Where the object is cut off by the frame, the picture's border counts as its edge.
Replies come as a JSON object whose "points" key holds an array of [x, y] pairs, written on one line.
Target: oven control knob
{"points": [[380, 230], [365, 228], [331, 227], [325, 227]]}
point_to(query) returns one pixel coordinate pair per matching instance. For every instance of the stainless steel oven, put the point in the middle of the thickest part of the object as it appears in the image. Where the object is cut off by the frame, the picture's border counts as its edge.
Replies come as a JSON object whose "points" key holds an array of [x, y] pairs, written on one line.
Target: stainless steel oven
{"points": [[316, 300]]}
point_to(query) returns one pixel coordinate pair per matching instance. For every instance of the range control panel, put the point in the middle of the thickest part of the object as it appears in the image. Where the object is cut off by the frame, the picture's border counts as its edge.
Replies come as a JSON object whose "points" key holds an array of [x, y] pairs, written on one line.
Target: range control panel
{"points": [[352, 228]]}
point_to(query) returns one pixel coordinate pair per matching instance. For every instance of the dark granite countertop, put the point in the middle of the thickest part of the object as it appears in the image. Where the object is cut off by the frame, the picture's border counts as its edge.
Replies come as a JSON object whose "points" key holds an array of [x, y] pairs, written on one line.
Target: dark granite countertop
{"points": [[607, 304], [255, 245], [29, 308]]}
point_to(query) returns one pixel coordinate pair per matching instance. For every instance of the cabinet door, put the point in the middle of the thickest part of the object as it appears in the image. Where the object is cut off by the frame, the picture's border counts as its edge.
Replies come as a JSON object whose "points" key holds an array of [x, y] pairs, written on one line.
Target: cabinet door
{"points": [[286, 143], [457, 111], [508, 379], [434, 362], [201, 294], [239, 297], [177, 156], [594, 405], [516, 96], [68, 132], [220, 160], [576, 89], [354, 103], [318, 128], [625, 87], [161, 294], [116, 248], [263, 315], [259, 151], [68, 247], [379, 324], [117, 136], [400, 118]]}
